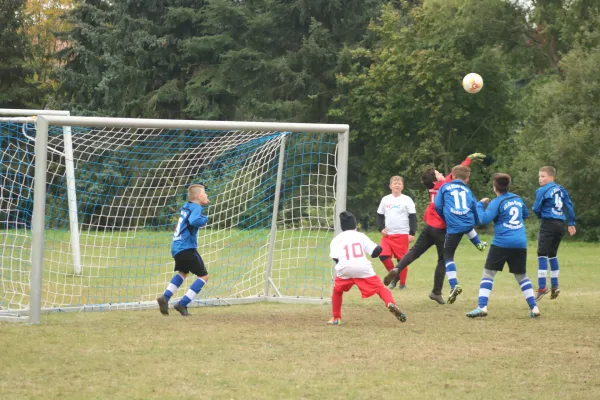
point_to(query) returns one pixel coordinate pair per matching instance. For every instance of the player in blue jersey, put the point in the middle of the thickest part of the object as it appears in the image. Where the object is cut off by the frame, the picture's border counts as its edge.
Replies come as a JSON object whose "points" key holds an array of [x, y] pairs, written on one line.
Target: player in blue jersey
{"points": [[509, 245], [456, 205], [184, 251], [553, 206]]}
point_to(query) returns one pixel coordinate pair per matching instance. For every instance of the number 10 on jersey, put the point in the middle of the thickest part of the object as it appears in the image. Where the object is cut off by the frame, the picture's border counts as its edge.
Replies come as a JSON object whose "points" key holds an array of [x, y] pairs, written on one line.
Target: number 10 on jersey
{"points": [[357, 250]]}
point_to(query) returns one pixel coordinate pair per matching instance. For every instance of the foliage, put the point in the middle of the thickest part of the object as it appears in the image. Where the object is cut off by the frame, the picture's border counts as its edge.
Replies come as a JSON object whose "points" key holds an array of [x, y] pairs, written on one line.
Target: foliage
{"points": [[43, 19], [390, 69], [403, 97], [563, 130], [17, 89], [213, 59]]}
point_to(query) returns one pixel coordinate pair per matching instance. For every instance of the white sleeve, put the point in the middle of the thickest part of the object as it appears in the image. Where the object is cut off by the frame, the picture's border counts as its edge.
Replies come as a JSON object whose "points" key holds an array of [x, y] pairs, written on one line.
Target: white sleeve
{"points": [[334, 249], [410, 206], [368, 244], [381, 209]]}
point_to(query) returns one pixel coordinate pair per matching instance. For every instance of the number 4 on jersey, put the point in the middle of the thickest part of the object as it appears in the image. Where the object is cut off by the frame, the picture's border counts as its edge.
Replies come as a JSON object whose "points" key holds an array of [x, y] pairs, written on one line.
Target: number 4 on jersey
{"points": [[558, 204]]}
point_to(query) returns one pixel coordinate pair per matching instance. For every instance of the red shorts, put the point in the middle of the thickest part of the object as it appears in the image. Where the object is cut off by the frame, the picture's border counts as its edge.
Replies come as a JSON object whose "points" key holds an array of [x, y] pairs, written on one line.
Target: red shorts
{"points": [[395, 246], [367, 286]]}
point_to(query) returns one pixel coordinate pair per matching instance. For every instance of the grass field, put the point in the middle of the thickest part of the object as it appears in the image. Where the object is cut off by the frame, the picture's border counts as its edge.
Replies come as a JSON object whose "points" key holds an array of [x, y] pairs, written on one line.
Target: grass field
{"points": [[280, 351]]}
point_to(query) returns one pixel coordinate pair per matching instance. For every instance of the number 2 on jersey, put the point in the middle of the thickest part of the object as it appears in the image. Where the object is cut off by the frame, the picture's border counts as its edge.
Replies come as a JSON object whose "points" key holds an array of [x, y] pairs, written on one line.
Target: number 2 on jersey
{"points": [[357, 251], [514, 216]]}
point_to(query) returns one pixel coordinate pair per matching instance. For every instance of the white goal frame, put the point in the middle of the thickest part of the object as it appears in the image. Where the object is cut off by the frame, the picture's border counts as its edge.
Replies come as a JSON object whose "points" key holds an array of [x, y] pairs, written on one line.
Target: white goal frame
{"points": [[43, 121], [29, 116]]}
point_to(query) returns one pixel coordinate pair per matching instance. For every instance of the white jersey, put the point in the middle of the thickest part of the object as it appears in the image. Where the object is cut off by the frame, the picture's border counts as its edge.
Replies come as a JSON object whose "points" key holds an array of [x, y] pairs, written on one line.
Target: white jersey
{"points": [[396, 210], [351, 249]]}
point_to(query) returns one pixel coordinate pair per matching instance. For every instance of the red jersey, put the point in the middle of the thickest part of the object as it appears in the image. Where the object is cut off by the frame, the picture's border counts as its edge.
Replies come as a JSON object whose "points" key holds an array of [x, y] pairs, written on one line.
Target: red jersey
{"points": [[431, 216]]}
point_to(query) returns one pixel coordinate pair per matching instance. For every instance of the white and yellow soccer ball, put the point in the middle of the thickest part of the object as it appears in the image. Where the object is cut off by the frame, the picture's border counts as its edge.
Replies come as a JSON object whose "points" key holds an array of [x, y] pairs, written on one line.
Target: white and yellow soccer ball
{"points": [[472, 83]]}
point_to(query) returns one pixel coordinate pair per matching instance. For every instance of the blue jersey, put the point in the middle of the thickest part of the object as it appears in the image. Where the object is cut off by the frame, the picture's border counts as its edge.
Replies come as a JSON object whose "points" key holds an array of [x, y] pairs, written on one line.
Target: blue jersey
{"points": [[190, 220], [508, 212], [456, 205], [552, 202]]}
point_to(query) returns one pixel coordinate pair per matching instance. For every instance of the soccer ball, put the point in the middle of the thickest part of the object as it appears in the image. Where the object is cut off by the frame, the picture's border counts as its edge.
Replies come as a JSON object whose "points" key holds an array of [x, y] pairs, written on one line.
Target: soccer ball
{"points": [[472, 83]]}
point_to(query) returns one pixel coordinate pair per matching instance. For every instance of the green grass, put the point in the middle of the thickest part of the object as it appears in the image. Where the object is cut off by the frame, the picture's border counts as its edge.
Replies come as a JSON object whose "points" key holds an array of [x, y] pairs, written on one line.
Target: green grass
{"points": [[132, 267], [280, 351]]}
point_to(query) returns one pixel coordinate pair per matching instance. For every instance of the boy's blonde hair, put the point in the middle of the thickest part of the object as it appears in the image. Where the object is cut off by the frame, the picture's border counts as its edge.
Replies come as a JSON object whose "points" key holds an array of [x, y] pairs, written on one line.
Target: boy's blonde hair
{"points": [[461, 172], [551, 171], [396, 178], [193, 190]]}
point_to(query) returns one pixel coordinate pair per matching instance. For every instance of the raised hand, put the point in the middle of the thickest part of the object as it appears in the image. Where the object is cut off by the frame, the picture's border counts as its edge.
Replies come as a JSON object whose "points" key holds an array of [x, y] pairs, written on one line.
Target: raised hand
{"points": [[476, 156]]}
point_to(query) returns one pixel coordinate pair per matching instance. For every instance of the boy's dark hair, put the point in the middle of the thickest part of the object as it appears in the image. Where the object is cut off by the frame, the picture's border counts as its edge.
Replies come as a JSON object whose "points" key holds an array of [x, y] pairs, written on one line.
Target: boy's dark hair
{"points": [[461, 172], [428, 177], [549, 170], [501, 182], [347, 221]]}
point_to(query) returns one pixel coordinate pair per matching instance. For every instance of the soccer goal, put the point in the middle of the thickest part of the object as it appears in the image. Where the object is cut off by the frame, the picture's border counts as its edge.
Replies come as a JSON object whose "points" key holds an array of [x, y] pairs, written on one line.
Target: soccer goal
{"points": [[275, 189]]}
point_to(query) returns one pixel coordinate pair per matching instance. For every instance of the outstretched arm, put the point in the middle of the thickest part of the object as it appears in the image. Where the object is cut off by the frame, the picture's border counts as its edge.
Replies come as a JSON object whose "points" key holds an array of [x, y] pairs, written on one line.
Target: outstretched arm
{"points": [[467, 162], [485, 216]]}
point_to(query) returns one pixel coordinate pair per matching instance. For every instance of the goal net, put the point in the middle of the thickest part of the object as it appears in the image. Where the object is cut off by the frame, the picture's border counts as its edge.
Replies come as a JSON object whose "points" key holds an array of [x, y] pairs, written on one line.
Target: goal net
{"points": [[111, 199]]}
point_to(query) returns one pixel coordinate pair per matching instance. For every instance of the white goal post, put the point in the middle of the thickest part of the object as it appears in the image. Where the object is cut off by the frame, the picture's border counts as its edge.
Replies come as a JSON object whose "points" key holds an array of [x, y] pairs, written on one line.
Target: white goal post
{"points": [[28, 117], [275, 190]]}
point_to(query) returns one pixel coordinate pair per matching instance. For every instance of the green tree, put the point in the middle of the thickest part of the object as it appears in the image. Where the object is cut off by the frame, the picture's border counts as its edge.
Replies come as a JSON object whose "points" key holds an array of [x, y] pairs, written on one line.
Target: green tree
{"points": [[17, 89], [214, 59], [563, 130], [404, 99], [83, 60], [269, 59], [559, 121], [121, 60], [43, 19]]}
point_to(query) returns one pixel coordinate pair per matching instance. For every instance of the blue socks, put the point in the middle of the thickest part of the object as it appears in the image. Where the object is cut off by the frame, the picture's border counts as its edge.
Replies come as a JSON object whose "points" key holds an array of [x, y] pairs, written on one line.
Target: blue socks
{"points": [[451, 273], [485, 288], [173, 286], [474, 237], [553, 271], [543, 271], [527, 289], [192, 292]]}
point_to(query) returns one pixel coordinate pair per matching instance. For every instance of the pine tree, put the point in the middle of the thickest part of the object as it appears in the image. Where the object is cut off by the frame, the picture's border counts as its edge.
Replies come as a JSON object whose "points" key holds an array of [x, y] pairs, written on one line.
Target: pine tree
{"points": [[16, 76]]}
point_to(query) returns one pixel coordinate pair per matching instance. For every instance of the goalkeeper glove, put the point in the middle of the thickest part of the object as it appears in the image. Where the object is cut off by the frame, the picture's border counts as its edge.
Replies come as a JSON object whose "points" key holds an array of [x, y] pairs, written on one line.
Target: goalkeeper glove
{"points": [[477, 156]]}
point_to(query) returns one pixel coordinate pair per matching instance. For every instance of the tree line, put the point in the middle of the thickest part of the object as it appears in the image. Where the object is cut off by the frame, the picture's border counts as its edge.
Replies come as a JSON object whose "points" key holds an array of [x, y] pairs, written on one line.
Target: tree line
{"points": [[392, 70]]}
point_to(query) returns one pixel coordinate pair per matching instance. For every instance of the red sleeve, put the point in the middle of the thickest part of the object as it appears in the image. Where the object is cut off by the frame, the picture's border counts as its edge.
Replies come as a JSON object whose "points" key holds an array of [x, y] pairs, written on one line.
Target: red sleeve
{"points": [[466, 162]]}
